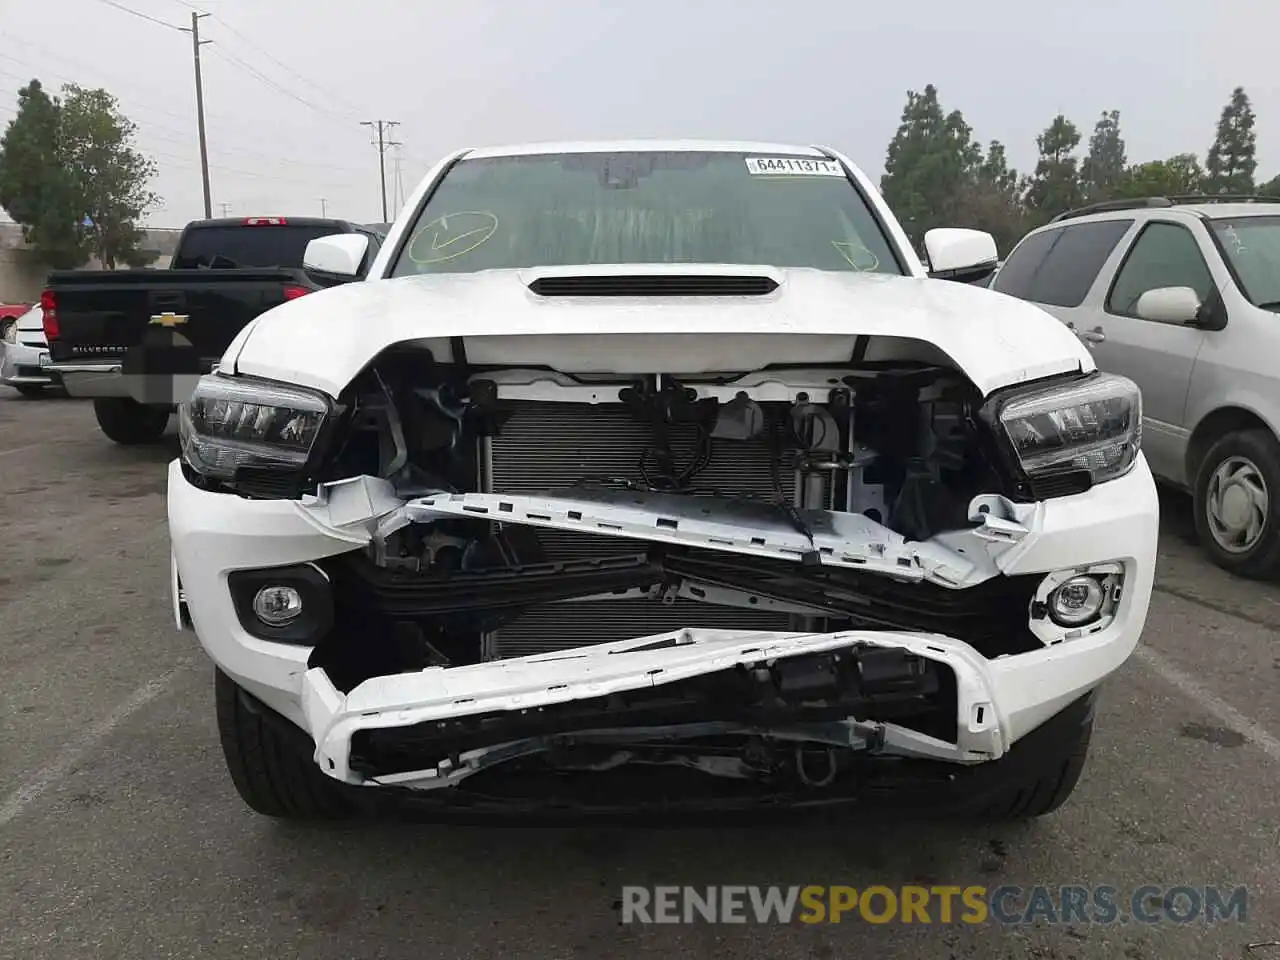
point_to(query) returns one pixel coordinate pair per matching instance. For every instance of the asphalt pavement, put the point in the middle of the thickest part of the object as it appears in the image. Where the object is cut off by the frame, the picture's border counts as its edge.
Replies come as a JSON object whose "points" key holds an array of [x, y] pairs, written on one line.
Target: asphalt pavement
{"points": [[121, 835]]}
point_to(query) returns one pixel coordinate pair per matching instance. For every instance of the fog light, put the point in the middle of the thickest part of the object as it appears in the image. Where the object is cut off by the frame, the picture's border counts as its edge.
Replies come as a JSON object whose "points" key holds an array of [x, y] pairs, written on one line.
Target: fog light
{"points": [[1077, 601], [277, 605]]}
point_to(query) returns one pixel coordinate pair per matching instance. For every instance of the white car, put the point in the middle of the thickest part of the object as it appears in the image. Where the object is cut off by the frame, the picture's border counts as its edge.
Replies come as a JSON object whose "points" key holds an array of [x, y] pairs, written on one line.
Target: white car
{"points": [[24, 354], [658, 474]]}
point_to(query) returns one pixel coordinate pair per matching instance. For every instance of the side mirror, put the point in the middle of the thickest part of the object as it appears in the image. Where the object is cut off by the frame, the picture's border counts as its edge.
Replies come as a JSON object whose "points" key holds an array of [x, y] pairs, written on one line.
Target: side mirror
{"points": [[965, 256], [336, 258], [1178, 305]]}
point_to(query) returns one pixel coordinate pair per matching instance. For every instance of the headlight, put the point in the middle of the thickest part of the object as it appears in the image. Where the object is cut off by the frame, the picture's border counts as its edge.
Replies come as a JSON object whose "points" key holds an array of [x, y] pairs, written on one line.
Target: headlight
{"points": [[1094, 427], [232, 422], [9, 331]]}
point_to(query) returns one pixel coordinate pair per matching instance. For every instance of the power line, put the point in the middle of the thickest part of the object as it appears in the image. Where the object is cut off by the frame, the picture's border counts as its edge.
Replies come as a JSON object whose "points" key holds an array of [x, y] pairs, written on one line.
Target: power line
{"points": [[149, 129], [263, 78], [383, 127], [283, 66], [143, 16]]}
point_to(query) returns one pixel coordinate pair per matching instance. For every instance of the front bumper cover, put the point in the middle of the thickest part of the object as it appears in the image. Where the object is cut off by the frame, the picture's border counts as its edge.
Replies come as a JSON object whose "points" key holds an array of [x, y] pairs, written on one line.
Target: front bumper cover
{"points": [[1000, 700], [20, 365], [539, 683]]}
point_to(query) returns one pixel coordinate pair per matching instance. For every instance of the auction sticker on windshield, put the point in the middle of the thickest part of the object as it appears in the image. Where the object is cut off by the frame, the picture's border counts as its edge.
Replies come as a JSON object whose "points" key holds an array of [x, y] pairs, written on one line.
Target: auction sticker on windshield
{"points": [[793, 167]]}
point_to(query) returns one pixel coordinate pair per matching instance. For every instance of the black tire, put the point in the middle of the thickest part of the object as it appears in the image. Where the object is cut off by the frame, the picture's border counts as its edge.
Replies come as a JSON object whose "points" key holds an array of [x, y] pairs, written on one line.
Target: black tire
{"points": [[1262, 560], [29, 390], [1045, 794], [273, 776], [128, 422]]}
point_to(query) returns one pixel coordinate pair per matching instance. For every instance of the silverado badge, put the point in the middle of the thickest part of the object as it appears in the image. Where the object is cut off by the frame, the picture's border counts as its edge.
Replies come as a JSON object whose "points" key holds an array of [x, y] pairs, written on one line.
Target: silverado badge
{"points": [[169, 319]]}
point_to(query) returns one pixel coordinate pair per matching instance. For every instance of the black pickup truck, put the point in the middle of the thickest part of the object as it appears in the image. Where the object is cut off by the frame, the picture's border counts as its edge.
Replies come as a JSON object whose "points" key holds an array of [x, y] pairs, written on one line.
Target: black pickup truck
{"points": [[135, 341]]}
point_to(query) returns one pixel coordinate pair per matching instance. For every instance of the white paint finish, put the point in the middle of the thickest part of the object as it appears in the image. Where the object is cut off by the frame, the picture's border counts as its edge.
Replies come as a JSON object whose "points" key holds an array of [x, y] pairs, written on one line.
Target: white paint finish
{"points": [[82, 747], [1215, 706], [340, 254], [643, 145], [952, 248], [325, 339]]}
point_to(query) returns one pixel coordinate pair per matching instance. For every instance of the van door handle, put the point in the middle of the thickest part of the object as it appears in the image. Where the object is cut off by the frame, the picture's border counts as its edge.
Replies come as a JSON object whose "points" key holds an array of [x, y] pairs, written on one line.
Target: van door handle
{"points": [[1096, 335]]}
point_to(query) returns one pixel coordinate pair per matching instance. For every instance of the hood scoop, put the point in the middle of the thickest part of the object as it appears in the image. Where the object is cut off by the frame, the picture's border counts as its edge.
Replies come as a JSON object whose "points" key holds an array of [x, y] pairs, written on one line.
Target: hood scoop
{"points": [[654, 285]]}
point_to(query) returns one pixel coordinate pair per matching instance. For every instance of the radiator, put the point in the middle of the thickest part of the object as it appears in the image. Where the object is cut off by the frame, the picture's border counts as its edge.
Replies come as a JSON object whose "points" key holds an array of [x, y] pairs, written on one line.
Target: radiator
{"points": [[555, 445]]}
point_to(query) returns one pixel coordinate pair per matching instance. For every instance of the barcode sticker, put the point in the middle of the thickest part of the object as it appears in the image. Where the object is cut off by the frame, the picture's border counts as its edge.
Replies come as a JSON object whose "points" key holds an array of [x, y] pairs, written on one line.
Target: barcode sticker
{"points": [[793, 167]]}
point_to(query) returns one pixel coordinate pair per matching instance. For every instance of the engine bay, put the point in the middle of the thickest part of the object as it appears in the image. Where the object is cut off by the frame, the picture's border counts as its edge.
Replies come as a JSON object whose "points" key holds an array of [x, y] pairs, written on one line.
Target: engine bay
{"points": [[898, 443]]}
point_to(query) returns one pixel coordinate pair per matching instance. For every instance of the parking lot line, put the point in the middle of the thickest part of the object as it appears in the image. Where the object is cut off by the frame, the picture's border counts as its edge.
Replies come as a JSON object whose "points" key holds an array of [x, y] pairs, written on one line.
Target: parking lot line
{"points": [[1215, 706], [80, 748]]}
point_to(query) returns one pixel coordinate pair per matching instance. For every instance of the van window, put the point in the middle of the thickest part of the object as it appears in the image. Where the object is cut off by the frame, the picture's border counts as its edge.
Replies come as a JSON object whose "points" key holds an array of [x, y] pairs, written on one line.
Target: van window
{"points": [[1164, 255], [1015, 277], [1062, 266]]}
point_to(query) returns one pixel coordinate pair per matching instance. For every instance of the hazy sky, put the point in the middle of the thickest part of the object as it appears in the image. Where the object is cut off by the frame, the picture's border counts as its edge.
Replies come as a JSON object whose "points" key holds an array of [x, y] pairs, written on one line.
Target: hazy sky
{"points": [[287, 82]]}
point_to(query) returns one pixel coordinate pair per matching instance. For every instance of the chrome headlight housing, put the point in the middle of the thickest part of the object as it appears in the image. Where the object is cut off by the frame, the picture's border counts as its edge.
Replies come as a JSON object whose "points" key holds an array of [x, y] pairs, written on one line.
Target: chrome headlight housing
{"points": [[9, 330], [234, 423], [1091, 428]]}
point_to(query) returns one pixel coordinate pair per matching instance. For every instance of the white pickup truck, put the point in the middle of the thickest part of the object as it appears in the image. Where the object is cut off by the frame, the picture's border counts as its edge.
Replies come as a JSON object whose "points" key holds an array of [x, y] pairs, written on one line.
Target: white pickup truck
{"points": [[658, 474]]}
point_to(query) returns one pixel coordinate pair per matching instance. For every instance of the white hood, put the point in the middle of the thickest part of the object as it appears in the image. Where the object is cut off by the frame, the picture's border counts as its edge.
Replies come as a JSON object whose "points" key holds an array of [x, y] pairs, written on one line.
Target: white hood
{"points": [[814, 317]]}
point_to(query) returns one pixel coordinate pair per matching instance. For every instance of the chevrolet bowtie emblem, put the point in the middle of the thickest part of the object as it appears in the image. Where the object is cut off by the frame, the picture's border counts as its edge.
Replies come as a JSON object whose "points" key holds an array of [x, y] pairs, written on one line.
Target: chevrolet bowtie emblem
{"points": [[169, 319]]}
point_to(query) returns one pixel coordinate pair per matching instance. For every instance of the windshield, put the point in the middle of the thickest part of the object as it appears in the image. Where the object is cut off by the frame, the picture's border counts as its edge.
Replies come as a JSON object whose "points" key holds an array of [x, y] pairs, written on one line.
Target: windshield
{"points": [[645, 207], [257, 245], [1252, 247]]}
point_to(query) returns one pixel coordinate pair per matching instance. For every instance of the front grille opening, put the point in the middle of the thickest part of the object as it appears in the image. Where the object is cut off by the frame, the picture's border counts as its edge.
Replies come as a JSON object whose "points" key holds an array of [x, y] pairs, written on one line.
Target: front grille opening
{"points": [[651, 285]]}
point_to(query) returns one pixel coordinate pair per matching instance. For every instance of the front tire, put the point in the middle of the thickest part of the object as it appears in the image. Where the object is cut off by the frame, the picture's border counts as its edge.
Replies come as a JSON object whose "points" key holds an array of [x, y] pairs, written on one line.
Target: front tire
{"points": [[128, 422], [271, 775], [1237, 496], [1046, 793]]}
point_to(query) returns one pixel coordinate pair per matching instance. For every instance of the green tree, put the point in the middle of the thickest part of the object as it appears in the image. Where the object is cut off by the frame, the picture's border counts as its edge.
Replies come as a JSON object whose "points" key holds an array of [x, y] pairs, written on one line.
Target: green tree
{"points": [[929, 165], [1231, 162], [1271, 188], [97, 144], [1180, 174], [36, 187], [1055, 186], [1104, 166], [992, 202]]}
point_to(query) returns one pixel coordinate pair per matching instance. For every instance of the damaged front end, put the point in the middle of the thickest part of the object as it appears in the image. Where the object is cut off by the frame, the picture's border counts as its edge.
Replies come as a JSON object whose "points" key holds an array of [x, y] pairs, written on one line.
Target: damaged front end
{"points": [[760, 581]]}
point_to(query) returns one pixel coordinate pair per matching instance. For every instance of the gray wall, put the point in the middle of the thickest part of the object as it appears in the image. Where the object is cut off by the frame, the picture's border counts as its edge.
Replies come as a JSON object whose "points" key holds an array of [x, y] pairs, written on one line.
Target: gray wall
{"points": [[22, 274]]}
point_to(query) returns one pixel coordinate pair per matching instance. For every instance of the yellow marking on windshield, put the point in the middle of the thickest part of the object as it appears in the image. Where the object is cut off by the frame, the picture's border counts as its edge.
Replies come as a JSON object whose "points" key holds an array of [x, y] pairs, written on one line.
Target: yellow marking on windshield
{"points": [[858, 256], [452, 235]]}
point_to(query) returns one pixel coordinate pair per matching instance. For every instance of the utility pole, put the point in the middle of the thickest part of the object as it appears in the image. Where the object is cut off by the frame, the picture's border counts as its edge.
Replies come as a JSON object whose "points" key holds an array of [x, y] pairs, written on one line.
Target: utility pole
{"points": [[324, 207], [383, 127], [397, 188], [196, 43]]}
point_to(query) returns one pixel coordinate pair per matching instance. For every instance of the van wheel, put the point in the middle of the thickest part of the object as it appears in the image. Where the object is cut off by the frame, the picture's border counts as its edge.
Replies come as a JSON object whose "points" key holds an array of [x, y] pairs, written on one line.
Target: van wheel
{"points": [[1237, 496], [1044, 795], [128, 422], [273, 776]]}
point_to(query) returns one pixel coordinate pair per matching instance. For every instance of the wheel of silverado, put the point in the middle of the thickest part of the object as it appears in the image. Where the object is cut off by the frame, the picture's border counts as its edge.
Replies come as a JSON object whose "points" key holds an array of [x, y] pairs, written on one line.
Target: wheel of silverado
{"points": [[29, 390], [1236, 493], [1036, 798], [128, 422]]}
